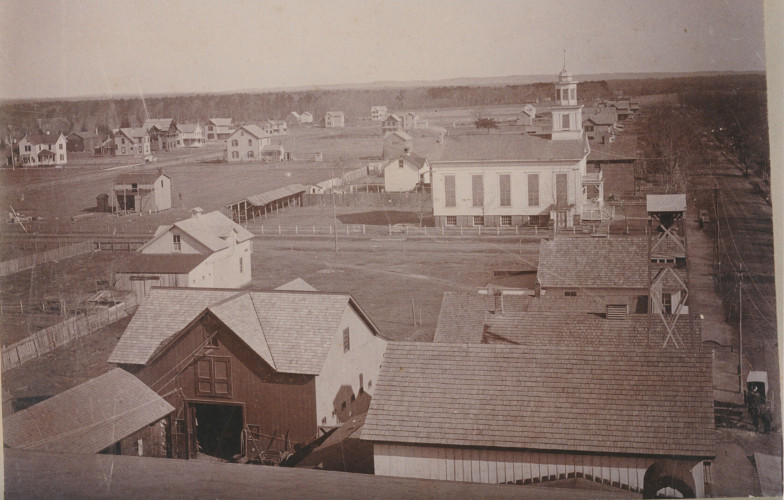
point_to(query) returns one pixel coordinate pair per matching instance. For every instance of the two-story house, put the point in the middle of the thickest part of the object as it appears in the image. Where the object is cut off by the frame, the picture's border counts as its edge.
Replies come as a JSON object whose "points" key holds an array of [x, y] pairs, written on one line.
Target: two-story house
{"points": [[247, 143], [204, 251], [219, 129], [132, 142], [378, 113], [191, 135], [334, 119], [43, 150]]}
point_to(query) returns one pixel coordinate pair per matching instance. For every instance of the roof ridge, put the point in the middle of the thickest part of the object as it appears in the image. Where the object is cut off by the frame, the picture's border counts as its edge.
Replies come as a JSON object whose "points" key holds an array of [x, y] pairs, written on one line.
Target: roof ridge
{"points": [[261, 327]]}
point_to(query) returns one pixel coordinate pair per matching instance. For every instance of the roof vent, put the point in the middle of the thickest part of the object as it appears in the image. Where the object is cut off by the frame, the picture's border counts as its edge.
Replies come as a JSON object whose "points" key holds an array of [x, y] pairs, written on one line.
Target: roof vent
{"points": [[617, 311]]}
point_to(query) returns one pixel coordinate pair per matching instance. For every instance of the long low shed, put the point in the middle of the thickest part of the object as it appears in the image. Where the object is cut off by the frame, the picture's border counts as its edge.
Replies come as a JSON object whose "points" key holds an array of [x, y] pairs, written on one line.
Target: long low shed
{"points": [[268, 202]]}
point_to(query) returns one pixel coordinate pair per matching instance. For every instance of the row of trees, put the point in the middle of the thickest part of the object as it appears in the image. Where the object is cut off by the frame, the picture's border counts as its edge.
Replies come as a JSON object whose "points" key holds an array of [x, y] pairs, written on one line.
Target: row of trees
{"points": [[739, 120]]}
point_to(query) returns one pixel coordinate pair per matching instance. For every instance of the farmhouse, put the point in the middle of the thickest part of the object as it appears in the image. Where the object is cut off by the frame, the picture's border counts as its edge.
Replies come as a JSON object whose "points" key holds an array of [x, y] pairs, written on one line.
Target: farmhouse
{"points": [[306, 117], [191, 135], [410, 120], [396, 144], [334, 119], [378, 113], [113, 413], [405, 173], [83, 142], [246, 143], [142, 192], [43, 150], [527, 115], [275, 127], [219, 129], [293, 119], [254, 369], [391, 123], [205, 251], [511, 180], [600, 126], [640, 420], [163, 132], [132, 142]]}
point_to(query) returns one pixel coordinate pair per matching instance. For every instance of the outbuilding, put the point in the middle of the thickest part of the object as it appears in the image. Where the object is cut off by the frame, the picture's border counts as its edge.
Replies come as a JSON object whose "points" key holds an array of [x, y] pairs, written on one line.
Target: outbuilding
{"points": [[142, 192]]}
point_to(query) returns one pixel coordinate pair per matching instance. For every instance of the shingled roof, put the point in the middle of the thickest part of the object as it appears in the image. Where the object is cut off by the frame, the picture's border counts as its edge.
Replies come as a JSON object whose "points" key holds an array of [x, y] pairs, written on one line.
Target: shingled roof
{"points": [[291, 330], [212, 230], [566, 398], [162, 263], [86, 418], [508, 147], [140, 178], [594, 262]]}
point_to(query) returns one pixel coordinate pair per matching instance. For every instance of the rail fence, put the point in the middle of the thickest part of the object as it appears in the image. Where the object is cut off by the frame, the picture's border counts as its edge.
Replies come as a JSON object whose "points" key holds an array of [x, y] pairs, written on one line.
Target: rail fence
{"points": [[48, 339], [410, 200], [30, 261], [424, 231]]}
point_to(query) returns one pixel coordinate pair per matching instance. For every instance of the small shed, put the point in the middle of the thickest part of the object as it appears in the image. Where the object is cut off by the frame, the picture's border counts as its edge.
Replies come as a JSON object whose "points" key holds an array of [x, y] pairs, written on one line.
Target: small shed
{"points": [[102, 203], [142, 191]]}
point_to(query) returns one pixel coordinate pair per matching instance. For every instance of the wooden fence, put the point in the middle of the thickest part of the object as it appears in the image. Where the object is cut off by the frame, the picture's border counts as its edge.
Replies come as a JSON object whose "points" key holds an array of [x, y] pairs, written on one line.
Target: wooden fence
{"points": [[30, 261], [48, 339], [408, 200]]}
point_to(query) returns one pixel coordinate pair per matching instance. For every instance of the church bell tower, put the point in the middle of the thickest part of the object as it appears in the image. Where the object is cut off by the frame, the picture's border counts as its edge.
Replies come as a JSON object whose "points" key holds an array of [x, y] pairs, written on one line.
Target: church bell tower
{"points": [[567, 114]]}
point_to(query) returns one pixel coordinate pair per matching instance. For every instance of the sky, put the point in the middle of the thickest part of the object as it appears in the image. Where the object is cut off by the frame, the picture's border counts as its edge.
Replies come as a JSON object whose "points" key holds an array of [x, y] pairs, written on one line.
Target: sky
{"points": [[70, 48]]}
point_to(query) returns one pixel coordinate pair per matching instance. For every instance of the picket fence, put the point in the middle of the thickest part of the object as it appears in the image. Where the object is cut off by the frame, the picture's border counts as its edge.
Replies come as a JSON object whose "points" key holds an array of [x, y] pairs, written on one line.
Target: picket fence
{"points": [[48, 339], [30, 261]]}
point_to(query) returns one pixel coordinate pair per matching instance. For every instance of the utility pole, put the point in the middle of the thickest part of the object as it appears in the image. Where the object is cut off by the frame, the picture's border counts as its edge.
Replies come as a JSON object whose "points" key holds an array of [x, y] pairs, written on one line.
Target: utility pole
{"points": [[334, 216], [740, 327]]}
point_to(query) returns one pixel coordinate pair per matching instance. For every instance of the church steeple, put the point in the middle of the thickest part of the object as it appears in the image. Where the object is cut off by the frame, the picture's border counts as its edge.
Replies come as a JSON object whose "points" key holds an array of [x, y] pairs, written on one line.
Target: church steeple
{"points": [[567, 114]]}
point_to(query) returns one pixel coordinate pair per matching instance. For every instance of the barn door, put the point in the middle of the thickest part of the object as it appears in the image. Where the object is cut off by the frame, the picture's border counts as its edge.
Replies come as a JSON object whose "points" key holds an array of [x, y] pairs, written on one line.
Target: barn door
{"points": [[193, 432]]}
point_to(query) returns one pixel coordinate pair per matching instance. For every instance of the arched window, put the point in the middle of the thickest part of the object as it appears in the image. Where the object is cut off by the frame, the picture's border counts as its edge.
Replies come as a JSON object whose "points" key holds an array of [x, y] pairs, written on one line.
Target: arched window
{"points": [[235, 154], [235, 142], [250, 154]]}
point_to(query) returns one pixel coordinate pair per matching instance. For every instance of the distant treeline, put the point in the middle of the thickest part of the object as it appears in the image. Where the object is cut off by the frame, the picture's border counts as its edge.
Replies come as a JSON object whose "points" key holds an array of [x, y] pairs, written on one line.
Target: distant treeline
{"points": [[104, 114]]}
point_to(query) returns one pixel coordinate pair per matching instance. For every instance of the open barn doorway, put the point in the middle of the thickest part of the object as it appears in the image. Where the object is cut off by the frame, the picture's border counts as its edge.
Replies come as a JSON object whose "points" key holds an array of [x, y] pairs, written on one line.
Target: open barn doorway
{"points": [[215, 430]]}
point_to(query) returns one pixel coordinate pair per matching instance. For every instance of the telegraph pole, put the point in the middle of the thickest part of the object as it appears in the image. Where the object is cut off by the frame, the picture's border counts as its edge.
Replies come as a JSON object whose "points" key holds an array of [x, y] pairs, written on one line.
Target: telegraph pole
{"points": [[334, 216], [740, 326]]}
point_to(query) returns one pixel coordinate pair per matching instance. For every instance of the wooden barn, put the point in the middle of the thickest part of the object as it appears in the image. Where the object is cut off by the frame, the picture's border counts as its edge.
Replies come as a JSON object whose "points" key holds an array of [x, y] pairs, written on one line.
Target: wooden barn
{"points": [[142, 192], [252, 371], [112, 413], [638, 420]]}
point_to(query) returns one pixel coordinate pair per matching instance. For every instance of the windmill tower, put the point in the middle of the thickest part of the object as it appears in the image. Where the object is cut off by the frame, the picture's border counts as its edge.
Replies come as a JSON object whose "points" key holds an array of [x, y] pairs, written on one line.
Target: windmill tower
{"points": [[668, 281]]}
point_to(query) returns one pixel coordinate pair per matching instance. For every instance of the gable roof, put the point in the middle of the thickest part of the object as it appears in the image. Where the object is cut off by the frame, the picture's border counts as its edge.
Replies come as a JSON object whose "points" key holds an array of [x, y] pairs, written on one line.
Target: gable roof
{"points": [[567, 398], [138, 178], [508, 147], [188, 128], [412, 161], [291, 330], [36, 139], [221, 122], [394, 117], [594, 262], [462, 314], [212, 230], [164, 312], [85, 135], [335, 113], [297, 284], [162, 124], [529, 110], [134, 133], [86, 418], [400, 134], [253, 130], [162, 263], [601, 118]]}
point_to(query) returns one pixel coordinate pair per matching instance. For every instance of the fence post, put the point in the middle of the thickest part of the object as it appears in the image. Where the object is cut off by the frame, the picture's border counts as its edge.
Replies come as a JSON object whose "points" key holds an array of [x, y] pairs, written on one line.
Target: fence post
{"points": [[314, 229], [296, 229], [363, 229], [262, 229], [517, 230], [442, 230], [390, 229], [497, 230], [347, 227], [279, 229]]}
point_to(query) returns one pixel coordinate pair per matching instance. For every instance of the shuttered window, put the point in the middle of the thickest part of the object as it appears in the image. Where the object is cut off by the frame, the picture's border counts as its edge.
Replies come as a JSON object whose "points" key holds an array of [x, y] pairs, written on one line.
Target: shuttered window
{"points": [[477, 191], [505, 188], [533, 190], [449, 191], [213, 377]]}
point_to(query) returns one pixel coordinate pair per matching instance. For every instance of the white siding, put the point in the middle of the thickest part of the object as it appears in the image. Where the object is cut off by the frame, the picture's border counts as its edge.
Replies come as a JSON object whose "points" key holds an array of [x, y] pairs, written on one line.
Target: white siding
{"points": [[344, 368], [512, 466]]}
